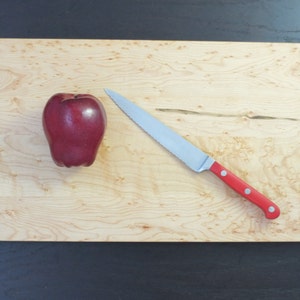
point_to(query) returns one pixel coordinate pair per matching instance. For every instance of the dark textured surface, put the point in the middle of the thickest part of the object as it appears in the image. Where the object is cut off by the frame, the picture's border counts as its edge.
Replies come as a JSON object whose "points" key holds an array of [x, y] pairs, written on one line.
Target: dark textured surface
{"points": [[151, 270], [233, 20]]}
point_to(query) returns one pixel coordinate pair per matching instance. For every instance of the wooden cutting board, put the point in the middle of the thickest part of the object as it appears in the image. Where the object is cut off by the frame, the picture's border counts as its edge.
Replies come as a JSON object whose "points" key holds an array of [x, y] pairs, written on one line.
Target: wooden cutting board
{"points": [[239, 102]]}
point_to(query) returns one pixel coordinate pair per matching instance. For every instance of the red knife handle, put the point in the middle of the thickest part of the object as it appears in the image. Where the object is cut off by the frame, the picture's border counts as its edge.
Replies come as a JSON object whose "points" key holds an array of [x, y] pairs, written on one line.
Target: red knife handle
{"points": [[270, 209]]}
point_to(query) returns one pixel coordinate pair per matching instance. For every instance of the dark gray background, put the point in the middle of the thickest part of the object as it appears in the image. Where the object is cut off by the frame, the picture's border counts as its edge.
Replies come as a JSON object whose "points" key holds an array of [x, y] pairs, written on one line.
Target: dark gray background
{"points": [[151, 270]]}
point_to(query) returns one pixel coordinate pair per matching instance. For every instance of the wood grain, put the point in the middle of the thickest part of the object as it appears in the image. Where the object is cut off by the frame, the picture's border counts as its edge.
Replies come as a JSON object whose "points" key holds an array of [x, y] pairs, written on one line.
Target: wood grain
{"points": [[237, 101]]}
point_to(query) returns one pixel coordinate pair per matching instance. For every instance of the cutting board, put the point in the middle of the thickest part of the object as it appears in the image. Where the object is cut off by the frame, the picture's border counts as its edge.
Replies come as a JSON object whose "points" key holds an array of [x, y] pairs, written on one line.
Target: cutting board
{"points": [[239, 102]]}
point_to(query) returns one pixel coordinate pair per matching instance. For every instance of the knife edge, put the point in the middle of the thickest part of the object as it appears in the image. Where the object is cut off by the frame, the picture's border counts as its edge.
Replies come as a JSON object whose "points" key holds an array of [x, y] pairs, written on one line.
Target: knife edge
{"points": [[190, 155]]}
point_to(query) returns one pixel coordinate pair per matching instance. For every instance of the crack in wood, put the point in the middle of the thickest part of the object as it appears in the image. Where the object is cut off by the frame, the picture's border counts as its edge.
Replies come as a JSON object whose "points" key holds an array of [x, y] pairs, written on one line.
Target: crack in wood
{"points": [[249, 116]]}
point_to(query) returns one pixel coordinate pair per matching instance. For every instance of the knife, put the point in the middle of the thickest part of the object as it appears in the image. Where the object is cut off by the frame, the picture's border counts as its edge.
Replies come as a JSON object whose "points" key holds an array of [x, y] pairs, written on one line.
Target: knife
{"points": [[192, 156]]}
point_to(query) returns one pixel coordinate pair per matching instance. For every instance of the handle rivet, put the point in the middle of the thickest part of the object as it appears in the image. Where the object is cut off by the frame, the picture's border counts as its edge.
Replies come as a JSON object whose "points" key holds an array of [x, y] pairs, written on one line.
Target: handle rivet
{"points": [[271, 209], [247, 191], [223, 173]]}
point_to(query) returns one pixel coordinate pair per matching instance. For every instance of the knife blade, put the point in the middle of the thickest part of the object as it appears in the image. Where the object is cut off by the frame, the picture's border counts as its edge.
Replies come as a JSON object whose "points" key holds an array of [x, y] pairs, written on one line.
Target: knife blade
{"points": [[193, 157]]}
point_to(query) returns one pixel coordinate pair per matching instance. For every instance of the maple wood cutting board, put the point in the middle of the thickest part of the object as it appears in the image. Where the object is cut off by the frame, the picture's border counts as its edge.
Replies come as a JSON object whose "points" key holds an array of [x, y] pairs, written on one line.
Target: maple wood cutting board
{"points": [[239, 102]]}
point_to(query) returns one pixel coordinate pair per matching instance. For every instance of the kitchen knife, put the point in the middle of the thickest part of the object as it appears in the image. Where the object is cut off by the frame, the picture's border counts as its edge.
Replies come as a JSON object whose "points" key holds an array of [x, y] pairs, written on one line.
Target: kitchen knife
{"points": [[193, 157]]}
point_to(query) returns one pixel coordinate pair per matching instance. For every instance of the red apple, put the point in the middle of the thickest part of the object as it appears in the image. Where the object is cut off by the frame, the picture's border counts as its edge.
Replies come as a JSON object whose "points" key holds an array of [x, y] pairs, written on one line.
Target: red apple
{"points": [[74, 126]]}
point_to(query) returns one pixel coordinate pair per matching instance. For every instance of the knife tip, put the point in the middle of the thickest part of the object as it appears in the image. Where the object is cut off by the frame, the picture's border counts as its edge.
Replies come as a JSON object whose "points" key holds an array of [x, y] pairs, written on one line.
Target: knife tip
{"points": [[108, 91]]}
